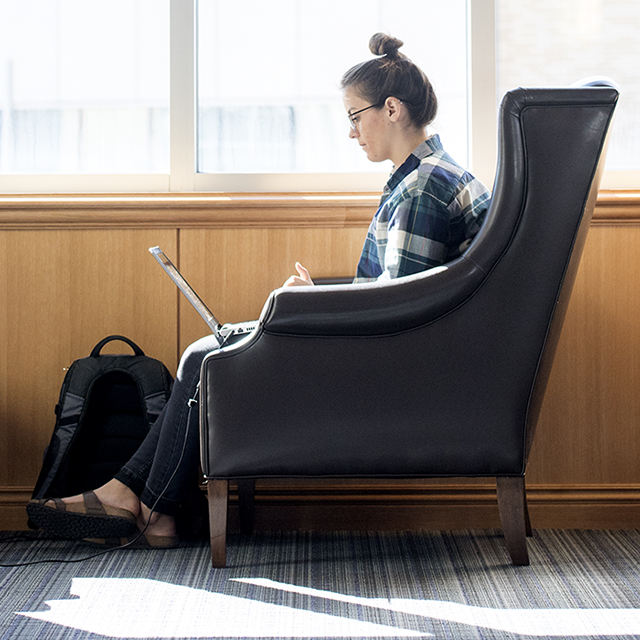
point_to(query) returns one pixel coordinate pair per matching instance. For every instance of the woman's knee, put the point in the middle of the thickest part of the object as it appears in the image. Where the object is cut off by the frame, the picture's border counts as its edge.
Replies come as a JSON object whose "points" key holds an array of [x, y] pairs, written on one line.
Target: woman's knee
{"points": [[194, 354]]}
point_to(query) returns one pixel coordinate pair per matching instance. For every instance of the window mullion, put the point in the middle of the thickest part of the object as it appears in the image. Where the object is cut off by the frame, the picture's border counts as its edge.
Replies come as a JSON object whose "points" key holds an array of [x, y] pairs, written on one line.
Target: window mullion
{"points": [[182, 95], [482, 90]]}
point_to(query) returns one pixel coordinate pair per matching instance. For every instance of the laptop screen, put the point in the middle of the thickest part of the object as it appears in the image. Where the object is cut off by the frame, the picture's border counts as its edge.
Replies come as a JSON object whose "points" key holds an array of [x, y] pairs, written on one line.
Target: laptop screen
{"points": [[185, 287]]}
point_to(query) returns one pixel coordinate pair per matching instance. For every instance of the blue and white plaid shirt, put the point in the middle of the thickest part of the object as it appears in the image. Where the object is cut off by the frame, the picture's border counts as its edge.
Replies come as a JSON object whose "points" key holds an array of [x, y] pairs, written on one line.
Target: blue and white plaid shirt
{"points": [[430, 210]]}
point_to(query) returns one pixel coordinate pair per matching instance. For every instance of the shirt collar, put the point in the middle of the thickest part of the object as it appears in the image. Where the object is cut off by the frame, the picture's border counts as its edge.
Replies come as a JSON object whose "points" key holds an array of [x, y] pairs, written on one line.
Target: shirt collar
{"points": [[426, 148]]}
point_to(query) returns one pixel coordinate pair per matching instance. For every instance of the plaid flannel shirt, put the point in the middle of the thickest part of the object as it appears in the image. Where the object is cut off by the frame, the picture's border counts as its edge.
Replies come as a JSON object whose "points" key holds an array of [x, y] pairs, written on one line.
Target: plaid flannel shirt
{"points": [[430, 210]]}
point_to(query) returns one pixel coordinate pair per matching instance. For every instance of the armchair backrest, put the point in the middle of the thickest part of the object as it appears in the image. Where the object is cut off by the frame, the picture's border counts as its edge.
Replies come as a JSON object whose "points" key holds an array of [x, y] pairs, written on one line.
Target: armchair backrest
{"points": [[551, 159]]}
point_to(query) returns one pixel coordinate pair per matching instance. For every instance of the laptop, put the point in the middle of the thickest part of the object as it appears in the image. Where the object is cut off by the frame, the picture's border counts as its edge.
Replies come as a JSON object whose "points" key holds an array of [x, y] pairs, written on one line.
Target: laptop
{"points": [[220, 331]]}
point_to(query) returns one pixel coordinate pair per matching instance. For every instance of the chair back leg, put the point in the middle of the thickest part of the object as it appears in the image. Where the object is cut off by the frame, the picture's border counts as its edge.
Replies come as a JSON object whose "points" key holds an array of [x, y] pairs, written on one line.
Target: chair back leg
{"points": [[514, 515], [218, 492], [246, 504]]}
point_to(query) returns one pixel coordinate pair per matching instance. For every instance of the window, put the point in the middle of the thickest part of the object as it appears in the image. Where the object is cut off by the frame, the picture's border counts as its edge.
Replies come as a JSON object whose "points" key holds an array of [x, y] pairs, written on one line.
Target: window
{"points": [[84, 86], [184, 95], [552, 43], [269, 72]]}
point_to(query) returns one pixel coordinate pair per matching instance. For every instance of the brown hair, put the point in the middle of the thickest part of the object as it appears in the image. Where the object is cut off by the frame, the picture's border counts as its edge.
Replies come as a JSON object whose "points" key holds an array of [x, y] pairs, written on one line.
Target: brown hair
{"points": [[393, 74]]}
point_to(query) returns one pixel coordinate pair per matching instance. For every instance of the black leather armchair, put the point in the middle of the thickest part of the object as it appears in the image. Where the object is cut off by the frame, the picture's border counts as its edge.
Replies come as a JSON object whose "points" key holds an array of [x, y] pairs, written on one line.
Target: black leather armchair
{"points": [[433, 375]]}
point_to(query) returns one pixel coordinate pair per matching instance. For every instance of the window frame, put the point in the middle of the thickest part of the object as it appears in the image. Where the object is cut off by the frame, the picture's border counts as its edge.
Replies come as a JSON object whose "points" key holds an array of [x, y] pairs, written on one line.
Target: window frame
{"points": [[183, 175]]}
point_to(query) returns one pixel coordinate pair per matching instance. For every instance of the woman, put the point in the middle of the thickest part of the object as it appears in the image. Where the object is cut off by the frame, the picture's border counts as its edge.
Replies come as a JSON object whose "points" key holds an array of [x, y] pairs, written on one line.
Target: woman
{"points": [[430, 210], [431, 207]]}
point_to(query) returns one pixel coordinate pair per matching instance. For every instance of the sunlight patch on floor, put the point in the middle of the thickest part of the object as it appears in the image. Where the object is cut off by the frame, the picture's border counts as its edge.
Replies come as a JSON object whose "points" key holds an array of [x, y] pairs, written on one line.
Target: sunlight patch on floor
{"points": [[533, 622], [141, 608], [138, 608]]}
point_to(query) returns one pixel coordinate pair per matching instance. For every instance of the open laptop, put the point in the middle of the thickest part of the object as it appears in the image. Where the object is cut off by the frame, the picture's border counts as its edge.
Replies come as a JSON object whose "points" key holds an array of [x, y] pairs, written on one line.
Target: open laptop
{"points": [[221, 332]]}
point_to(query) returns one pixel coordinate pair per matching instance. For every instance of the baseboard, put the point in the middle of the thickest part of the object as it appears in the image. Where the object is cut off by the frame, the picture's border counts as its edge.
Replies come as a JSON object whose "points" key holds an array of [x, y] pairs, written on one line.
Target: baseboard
{"points": [[394, 505], [398, 506], [13, 502]]}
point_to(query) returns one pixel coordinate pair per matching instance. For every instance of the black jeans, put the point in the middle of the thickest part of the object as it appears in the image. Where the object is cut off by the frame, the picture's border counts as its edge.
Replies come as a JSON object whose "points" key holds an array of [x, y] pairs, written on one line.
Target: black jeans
{"points": [[165, 467]]}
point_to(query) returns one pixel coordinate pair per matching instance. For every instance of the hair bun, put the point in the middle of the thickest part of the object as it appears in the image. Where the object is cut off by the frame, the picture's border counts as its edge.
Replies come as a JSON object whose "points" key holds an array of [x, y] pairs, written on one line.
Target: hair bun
{"points": [[391, 73], [382, 44]]}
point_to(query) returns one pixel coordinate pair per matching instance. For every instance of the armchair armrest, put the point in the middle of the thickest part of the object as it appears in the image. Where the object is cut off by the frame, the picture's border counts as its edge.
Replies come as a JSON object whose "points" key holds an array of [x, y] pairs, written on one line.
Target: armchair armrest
{"points": [[375, 308]]}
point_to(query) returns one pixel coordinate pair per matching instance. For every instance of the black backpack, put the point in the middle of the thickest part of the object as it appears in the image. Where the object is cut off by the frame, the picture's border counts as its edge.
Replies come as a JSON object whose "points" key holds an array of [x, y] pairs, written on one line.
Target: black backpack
{"points": [[106, 408]]}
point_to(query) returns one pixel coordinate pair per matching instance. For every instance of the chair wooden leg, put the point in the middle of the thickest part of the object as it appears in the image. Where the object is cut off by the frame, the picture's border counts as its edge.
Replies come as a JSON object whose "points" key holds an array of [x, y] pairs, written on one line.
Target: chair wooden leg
{"points": [[527, 520], [218, 491], [246, 502], [514, 517]]}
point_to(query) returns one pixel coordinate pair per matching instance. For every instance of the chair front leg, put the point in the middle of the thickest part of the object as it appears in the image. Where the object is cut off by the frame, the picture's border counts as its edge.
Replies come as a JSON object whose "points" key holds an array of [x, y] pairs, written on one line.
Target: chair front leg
{"points": [[512, 503], [218, 491]]}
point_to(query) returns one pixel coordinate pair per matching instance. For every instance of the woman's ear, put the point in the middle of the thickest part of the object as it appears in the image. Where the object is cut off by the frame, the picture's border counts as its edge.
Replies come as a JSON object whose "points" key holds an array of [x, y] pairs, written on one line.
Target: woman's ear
{"points": [[393, 108]]}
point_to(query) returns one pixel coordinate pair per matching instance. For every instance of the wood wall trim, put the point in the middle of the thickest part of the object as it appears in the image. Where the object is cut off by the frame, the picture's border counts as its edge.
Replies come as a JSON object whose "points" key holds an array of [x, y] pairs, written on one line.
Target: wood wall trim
{"points": [[405, 492], [230, 210], [201, 210], [425, 492], [617, 207], [389, 506]]}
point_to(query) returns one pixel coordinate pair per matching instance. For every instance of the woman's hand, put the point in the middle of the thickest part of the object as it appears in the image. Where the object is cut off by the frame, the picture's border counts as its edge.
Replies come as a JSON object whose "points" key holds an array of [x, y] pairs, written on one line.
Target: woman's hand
{"points": [[302, 279]]}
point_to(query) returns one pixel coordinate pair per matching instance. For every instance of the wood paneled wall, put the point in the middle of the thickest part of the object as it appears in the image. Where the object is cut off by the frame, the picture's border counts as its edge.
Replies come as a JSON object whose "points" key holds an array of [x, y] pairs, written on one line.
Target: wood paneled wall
{"points": [[75, 269]]}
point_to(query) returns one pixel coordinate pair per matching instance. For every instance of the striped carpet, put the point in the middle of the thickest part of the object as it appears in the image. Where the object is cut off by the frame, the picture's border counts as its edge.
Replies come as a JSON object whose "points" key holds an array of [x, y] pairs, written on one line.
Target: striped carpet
{"points": [[333, 585]]}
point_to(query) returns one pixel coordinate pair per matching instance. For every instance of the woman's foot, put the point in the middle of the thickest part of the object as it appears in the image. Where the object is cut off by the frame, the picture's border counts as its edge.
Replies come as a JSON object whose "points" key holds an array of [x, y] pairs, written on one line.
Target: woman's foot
{"points": [[154, 531], [159, 524], [116, 494], [84, 516], [111, 511], [112, 494]]}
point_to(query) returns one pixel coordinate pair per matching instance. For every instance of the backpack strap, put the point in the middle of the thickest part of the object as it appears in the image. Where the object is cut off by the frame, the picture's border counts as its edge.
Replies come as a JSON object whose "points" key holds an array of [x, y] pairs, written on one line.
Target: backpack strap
{"points": [[96, 350]]}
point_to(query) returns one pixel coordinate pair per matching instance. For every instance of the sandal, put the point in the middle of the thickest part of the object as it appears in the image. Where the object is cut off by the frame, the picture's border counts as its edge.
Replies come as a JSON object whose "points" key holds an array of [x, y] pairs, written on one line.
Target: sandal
{"points": [[87, 519], [137, 541]]}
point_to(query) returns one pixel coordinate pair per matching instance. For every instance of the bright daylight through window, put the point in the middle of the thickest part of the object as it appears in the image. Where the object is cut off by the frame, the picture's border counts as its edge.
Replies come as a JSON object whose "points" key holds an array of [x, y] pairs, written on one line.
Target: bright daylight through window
{"points": [[269, 90], [551, 43], [91, 88], [84, 86]]}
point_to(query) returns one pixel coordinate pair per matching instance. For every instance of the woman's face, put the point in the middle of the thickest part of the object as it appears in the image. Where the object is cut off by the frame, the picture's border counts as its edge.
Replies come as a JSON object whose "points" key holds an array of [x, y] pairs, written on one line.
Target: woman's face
{"points": [[372, 130]]}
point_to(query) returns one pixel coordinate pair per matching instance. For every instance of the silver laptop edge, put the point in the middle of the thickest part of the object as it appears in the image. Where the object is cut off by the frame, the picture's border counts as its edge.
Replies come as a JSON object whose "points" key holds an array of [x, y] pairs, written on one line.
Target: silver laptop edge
{"points": [[187, 290]]}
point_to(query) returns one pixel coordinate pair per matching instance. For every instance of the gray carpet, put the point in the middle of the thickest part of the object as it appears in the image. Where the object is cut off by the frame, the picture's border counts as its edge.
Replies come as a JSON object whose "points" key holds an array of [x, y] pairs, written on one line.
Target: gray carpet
{"points": [[335, 585]]}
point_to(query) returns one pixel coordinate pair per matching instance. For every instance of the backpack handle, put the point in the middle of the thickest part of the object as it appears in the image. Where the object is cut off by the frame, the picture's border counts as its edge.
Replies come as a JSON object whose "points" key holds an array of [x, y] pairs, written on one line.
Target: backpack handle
{"points": [[137, 351]]}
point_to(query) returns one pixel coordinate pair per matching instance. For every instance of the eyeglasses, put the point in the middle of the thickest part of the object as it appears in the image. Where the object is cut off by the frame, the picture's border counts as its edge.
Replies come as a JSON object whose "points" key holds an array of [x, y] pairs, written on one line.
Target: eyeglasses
{"points": [[353, 122]]}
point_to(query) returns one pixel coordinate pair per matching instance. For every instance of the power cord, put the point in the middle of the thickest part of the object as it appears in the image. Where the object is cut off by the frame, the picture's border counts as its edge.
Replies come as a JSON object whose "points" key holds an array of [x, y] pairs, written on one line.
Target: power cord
{"points": [[191, 403]]}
